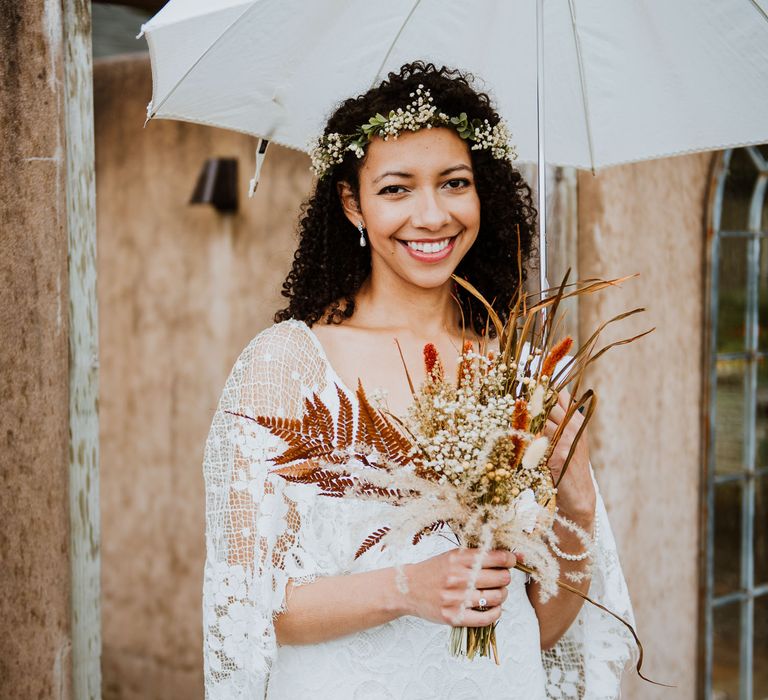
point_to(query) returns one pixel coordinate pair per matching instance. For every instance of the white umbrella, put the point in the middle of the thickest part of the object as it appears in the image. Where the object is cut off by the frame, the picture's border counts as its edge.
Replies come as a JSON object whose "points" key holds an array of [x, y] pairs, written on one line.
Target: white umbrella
{"points": [[625, 81], [647, 79]]}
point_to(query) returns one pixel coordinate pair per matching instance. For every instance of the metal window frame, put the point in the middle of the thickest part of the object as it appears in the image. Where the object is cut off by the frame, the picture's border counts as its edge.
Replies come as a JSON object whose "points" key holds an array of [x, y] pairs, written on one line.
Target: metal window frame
{"points": [[750, 470]]}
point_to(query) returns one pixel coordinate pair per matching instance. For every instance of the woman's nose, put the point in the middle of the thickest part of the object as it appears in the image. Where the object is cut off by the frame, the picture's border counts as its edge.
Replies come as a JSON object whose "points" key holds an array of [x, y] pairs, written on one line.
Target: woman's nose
{"points": [[429, 212]]}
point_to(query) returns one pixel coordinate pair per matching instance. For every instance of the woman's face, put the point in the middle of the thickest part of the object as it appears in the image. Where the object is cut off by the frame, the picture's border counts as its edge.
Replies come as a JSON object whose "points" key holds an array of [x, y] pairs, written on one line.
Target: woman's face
{"points": [[418, 203]]}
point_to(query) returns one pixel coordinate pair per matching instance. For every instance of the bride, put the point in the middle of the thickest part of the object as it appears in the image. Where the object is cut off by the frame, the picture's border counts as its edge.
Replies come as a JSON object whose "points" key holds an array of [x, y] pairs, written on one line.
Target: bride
{"points": [[402, 201]]}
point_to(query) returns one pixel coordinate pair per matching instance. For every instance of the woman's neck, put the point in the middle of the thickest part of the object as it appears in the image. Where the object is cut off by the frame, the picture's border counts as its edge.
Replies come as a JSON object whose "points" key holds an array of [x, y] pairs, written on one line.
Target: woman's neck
{"points": [[393, 303]]}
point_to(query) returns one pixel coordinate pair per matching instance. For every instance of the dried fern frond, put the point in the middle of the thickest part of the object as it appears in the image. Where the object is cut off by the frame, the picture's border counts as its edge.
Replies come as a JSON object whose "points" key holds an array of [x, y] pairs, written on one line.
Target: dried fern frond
{"points": [[371, 541]]}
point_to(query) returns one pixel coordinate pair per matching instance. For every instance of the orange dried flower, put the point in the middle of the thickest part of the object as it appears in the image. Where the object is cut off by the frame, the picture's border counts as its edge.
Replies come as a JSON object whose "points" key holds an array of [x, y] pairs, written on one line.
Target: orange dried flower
{"points": [[517, 452], [556, 354], [432, 363], [520, 418], [491, 355], [466, 374]]}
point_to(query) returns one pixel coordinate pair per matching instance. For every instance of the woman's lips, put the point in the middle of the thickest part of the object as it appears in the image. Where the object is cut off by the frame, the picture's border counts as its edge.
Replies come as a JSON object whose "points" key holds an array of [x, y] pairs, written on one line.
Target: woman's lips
{"points": [[431, 251]]}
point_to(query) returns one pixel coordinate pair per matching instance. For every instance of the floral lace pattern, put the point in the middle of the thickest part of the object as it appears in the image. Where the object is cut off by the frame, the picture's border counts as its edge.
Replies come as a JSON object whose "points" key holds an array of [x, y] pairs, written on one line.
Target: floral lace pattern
{"points": [[262, 531]]}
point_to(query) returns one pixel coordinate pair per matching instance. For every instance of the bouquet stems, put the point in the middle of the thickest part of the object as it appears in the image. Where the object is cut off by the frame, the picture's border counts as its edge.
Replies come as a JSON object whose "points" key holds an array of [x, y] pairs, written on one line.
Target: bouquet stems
{"points": [[473, 641]]}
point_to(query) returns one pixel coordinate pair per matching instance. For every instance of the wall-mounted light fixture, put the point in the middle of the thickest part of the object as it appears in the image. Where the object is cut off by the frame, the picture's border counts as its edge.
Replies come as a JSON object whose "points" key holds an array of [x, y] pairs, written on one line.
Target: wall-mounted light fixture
{"points": [[217, 185]]}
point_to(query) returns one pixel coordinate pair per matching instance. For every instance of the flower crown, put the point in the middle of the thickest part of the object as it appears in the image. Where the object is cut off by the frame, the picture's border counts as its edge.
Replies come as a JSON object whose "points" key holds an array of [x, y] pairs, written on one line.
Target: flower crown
{"points": [[329, 150]]}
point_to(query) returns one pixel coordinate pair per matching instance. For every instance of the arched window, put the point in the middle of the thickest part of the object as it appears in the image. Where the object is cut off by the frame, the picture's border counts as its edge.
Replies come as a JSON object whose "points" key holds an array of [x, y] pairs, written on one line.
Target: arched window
{"points": [[735, 619]]}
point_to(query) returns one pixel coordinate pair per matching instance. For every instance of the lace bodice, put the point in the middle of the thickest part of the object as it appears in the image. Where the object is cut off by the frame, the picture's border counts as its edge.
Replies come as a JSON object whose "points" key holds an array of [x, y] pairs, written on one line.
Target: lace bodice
{"points": [[262, 531]]}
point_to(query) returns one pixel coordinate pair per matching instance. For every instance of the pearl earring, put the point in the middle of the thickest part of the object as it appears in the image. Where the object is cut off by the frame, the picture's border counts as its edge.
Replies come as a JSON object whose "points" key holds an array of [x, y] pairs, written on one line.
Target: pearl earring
{"points": [[362, 233]]}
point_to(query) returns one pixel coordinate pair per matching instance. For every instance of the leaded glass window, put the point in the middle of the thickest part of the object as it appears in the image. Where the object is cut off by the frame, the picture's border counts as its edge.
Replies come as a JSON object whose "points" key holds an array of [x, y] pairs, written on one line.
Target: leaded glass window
{"points": [[736, 529]]}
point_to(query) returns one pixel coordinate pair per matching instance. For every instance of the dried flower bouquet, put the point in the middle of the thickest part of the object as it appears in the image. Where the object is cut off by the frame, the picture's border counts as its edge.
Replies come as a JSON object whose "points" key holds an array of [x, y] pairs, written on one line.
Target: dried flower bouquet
{"points": [[470, 457]]}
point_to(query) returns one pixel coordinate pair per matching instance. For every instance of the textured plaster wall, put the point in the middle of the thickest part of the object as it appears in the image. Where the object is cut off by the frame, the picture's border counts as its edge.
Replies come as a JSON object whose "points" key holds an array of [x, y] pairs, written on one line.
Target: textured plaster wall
{"points": [[181, 290], [35, 644], [645, 438]]}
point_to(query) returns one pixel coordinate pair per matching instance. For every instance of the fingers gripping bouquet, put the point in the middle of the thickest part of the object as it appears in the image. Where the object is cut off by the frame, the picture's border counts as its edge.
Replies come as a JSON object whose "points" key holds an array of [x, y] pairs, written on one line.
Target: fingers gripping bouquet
{"points": [[470, 457]]}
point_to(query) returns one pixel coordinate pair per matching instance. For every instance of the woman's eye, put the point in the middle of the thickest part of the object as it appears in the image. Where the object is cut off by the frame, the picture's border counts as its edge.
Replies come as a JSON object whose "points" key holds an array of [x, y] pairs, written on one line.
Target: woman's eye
{"points": [[392, 189], [457, 183]]}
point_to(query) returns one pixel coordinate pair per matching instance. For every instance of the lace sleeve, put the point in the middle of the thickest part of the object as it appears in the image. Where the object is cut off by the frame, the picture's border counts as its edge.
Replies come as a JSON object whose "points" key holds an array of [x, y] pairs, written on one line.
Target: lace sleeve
{"points": [[253, 518], [590, 658]]}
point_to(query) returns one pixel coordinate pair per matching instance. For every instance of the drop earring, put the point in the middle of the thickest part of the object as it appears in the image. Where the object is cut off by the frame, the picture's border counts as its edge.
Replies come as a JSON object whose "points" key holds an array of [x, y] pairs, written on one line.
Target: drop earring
{"points": [[362, 234]]}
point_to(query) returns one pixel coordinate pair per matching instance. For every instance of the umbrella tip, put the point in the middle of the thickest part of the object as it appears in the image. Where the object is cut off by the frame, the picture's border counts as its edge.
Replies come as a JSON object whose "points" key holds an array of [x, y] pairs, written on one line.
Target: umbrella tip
{"points": [[261, 154], [149, 114]]}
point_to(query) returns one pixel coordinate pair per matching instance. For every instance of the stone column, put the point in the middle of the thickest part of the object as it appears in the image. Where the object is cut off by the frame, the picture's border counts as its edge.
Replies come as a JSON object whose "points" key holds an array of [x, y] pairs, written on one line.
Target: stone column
{"points": [[48, 549], [645, 438]]}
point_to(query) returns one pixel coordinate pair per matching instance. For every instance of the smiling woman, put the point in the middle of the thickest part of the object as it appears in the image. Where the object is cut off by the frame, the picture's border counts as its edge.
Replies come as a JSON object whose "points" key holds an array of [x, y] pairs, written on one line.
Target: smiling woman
{"points": [[426, 210], [330, 267], [415, 184]]}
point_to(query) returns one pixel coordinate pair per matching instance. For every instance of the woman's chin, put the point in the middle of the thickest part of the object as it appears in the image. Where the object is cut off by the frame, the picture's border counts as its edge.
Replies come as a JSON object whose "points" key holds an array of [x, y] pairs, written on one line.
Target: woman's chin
{"points": [[428, 279]]}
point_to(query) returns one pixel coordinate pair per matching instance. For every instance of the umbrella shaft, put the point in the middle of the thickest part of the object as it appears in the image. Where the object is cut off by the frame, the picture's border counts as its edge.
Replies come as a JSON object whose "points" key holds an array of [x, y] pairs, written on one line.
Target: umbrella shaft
{"points": [[542, 167]]}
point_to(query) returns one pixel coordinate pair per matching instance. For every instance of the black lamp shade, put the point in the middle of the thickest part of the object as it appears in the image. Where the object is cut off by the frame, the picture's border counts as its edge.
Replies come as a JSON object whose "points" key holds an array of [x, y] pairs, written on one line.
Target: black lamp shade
{"points": [[217, 184]]}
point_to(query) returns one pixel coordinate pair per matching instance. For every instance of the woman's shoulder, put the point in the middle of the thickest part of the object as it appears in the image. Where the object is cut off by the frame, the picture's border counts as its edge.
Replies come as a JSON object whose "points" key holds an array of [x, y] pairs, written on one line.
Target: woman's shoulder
{"points": [[286, 346], [281, 334], [275, 371]]}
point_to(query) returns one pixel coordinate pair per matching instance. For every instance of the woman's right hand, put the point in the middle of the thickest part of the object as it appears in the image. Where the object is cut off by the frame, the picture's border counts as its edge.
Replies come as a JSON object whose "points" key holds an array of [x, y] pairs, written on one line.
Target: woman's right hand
{"points": [[437, 587]]}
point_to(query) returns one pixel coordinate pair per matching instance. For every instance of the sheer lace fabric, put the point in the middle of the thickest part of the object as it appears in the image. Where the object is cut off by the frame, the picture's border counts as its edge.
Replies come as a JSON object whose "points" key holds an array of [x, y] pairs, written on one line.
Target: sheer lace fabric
{"points": [[262, 531]]}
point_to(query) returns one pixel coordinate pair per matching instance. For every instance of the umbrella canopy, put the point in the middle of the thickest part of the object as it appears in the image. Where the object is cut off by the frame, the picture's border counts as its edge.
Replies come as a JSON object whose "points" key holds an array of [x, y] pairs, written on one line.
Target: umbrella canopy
{"points": [[625, 81]]}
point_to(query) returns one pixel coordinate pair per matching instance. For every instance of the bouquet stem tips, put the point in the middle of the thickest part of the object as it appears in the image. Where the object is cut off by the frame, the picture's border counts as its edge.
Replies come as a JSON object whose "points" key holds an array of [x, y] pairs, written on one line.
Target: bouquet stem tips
{"points": [[475, 641]]}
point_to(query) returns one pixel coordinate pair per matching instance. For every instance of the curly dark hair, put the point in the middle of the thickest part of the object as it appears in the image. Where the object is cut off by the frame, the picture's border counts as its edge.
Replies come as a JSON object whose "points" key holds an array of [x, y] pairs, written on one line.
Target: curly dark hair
{"points": [[328, 269]]}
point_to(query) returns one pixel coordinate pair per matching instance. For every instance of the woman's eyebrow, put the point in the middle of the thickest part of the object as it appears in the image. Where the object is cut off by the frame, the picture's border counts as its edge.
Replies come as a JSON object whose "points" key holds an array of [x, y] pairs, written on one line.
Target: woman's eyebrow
{"points": [[396, 173], [400, 173], [454, 168]]}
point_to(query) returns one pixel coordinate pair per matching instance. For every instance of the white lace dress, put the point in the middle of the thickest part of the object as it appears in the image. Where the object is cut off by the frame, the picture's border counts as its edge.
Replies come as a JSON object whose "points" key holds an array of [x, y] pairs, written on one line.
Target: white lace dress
{"points": [[261, 531]]}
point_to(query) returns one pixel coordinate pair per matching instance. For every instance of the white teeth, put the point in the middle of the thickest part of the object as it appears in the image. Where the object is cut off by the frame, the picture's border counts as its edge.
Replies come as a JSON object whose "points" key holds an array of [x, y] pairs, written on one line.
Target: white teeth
{"points": [[429, 247]]}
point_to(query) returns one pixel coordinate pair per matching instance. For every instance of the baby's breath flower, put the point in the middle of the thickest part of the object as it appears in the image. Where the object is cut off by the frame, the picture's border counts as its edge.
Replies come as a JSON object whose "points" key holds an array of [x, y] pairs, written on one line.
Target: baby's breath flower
{"points": [[329, 150]]}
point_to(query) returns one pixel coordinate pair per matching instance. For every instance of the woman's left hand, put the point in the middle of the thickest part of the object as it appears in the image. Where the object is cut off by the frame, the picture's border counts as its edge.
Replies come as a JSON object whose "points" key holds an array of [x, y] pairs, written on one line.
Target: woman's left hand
{"points": [[576, 492]]}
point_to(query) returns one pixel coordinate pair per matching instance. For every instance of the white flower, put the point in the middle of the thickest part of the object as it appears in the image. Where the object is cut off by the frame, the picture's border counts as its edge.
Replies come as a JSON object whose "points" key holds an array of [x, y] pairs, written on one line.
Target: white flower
{"points": [[536, 404], [378, 396], [230, 583], [526, 510], [535, 452], [272, 512], [562, 685], [240, 625]]}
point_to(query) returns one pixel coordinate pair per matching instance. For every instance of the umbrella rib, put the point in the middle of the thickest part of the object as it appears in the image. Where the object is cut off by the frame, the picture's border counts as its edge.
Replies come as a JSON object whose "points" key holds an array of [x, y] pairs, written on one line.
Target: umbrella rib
{"points": [[583, 84], [377, 75], [759, 9], [155, 107]]}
